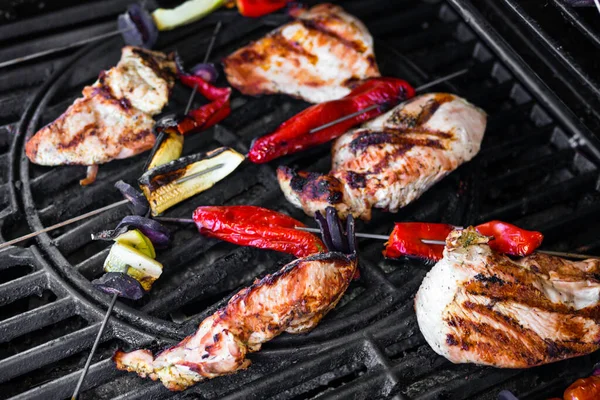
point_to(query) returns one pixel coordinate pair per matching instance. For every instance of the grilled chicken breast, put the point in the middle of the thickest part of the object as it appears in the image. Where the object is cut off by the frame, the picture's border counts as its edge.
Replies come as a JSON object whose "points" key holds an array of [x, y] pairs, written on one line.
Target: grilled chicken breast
{"points": [[317, 57], [479, 306], [390, 161], [114, 118], [292, 300]]}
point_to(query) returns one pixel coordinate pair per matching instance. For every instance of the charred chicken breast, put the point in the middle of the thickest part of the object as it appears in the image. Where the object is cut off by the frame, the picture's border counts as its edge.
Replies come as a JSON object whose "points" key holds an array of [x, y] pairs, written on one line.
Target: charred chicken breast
{"points": [[113, 119], [482, 307], [291, 300], [317, 57], [390, 161]]}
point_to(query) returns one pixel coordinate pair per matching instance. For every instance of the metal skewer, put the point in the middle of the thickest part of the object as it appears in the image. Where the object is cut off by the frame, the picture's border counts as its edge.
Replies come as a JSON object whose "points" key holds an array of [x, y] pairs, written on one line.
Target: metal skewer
{"points": [[58, 49], [206, 56], [94, 347], [209, 49], [114, 298], [374, 106], [443, 243]]}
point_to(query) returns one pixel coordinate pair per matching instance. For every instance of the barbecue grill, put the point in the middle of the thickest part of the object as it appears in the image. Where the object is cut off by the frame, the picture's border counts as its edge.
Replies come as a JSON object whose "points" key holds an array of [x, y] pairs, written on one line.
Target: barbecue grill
{"points": [[538, 168]]}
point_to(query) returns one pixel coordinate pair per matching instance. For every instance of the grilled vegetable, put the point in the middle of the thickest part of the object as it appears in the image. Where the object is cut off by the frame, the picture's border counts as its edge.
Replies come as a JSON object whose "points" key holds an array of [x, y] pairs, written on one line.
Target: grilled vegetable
{"points": [[168, 147], [406, 239], [139, 205], [153, 230], [206, 71], [257, 227], [137, 27], [178, 180], [138, 241], [295, 134], [190, 11], [125, 259], [121, 284], [258, 8], [510, 239]]}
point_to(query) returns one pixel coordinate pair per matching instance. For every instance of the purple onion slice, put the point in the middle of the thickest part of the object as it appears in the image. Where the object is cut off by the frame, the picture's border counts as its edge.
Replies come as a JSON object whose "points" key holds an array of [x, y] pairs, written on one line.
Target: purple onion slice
{"points": [[506, 395], [121, 284], [137, 26], [139, 204], [206, 71], [153, 230]]}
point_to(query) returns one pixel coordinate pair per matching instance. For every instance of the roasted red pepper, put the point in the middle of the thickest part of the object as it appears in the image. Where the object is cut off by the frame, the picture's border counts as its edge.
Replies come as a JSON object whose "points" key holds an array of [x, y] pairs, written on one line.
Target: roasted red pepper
{"points": [[293, 135], [258, 8], [584, 389], [257, 227], [406, 238], [207, 115], [510, 239]]}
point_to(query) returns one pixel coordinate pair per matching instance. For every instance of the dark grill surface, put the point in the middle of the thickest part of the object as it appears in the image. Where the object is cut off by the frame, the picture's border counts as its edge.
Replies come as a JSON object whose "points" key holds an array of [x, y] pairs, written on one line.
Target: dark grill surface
{"points": [[536, 169]]}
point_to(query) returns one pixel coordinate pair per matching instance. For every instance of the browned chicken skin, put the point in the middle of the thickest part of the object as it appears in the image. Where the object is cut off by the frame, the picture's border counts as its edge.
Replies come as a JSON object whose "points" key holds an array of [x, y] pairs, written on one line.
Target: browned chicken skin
{"points": [[113, 119], [292, 300], [478, 306], [391, 160], [317, 57]]}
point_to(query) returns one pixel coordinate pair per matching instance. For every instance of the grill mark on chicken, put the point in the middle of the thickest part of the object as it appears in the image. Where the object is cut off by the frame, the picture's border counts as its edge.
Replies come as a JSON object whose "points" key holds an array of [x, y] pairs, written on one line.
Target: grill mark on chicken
{"points": [[317, 57], [404, 143], [316, 186], [293, 299], [285, 47], [154, 61], [113, 119], [407, 120], [492, 310], [400, 154], [319, 25]]}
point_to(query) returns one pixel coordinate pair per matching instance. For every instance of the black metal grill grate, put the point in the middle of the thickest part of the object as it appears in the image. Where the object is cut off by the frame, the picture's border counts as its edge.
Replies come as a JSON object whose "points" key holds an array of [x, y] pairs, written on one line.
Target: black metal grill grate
{"points": [[535, 169]]}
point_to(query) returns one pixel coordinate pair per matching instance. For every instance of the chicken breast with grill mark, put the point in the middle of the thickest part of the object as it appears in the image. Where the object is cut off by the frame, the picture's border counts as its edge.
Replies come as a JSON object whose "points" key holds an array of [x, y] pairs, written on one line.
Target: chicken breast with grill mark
{"points": [[482, 307], [292, 300], [392, 160], [114, 118], [317, 57]]}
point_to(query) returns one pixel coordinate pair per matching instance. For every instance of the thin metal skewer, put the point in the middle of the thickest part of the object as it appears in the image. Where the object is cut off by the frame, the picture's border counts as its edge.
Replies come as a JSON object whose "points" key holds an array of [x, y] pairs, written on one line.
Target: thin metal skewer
{"points": [[94, 347], [374, 106], [206, 56], [443, 243], [61, 224], [199, 173], [210, 46], [58, 49]]}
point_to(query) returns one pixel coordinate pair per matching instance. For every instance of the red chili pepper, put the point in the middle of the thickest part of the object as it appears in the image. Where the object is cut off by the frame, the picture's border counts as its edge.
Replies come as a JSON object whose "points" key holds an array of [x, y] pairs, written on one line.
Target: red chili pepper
{"points": [[584, 389], [293, 135], [510, 239], [204, 88], [207, 115], [257, 227], [257, 8], [406, 238]]}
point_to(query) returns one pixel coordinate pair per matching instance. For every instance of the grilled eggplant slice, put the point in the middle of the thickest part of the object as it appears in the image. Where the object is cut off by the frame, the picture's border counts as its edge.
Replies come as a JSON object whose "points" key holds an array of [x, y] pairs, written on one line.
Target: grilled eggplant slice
{"points": [[171, 183], [168, 148]]}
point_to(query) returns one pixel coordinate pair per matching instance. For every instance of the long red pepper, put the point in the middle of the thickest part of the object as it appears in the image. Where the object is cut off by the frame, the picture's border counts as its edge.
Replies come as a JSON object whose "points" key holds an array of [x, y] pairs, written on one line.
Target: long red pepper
{"points": [[257, 227], [293, 135], [406, 238], [257, 8], [584, 389], [207, 115]]}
